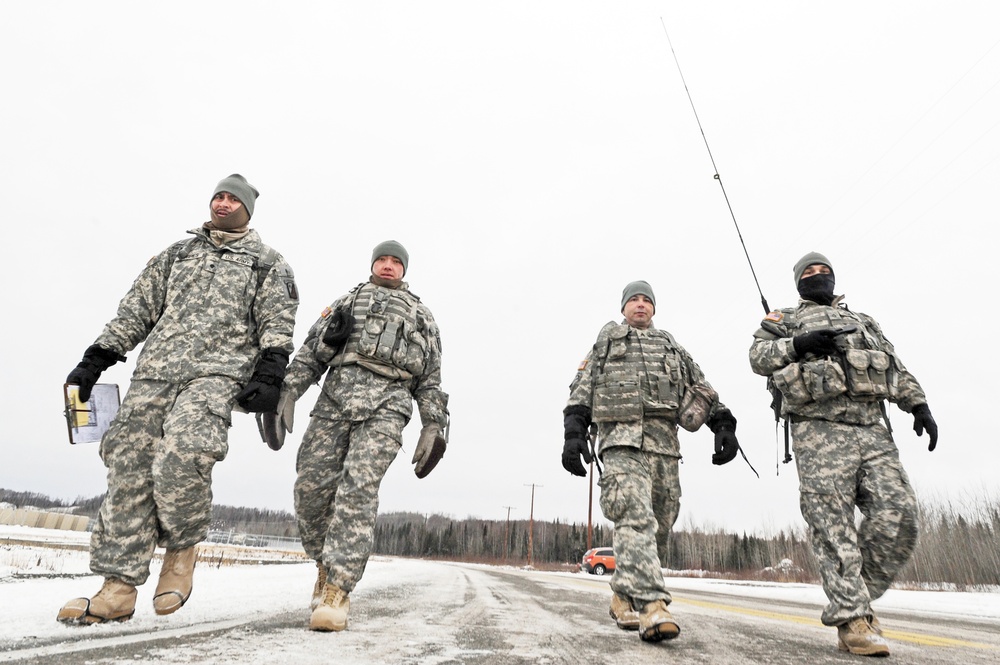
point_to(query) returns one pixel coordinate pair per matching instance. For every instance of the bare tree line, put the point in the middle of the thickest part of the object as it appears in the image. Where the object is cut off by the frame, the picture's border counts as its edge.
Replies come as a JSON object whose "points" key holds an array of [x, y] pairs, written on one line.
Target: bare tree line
{"points": [[959, 545]]}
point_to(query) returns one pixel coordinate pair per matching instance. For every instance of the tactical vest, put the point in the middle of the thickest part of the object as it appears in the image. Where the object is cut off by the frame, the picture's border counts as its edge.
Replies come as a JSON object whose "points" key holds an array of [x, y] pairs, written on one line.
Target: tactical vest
{"points": [[386, 338], [862, 369], [636, 375]]}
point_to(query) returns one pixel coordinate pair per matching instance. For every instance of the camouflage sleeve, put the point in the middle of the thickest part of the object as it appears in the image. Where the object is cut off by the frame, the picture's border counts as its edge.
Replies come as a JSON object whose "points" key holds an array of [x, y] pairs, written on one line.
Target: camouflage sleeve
{"points": [[140, 309], [770, 351], [305, 369], [696, 376], [275, 306], [432, 402], [908, 390], [581, 390]]}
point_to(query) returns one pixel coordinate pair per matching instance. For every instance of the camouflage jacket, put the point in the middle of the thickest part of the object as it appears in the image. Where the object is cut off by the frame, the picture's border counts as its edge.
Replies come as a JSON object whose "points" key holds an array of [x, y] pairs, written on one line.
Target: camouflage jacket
{"points": [[392, 358], [848, 387], [199, 311], [631, 376]]}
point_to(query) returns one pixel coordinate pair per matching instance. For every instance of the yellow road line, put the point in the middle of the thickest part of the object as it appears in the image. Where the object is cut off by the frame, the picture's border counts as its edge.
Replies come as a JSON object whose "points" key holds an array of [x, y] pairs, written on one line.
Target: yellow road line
{"points": [[915, 638]]}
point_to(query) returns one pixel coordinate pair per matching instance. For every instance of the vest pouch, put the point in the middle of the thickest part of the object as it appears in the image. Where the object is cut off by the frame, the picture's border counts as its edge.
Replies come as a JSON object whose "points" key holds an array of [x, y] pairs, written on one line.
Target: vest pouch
{"points": [[698, 401], [824, 379], [867, 373], [370, 334], [389, 341], [413, 358], [789, 381], [878, 372], [617, 398]]}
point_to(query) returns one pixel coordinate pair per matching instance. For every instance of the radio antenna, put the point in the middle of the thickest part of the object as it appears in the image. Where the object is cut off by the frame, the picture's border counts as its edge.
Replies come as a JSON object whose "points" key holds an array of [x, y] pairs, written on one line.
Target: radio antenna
{"points": [[718, 177]]}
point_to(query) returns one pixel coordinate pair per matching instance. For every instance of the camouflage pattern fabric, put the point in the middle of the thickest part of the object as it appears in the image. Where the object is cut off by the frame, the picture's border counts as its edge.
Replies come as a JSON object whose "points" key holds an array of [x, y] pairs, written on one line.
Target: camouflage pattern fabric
{"points": [[845, 458], [356, 425], [202, 322], [398, 393], [193, 314], [841, 466], [640, 493], [340, 468], [772, 351], [160, 451], [662, 371]]}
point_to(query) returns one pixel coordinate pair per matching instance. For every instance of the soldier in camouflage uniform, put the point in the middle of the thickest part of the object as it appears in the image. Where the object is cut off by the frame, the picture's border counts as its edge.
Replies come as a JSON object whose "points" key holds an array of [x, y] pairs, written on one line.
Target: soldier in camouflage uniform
{"points": [[834, 369], [638, 384], [380, 350], [215, 313]]}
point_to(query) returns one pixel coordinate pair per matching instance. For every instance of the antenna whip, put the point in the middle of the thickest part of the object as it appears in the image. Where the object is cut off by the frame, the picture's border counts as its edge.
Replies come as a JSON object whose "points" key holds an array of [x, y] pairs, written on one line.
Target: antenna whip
{"points": [[763, 301]]}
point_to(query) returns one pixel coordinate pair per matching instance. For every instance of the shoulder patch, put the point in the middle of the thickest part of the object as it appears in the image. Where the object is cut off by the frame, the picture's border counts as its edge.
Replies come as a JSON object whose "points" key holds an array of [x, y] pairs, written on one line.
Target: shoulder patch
{"points": [[583, 365], [326, 312], [775, 316]]}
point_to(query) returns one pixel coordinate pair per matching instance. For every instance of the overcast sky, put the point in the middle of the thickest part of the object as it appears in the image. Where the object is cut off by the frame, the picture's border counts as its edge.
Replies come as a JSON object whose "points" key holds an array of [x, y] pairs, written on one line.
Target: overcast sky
{"points": [[534, 157]]}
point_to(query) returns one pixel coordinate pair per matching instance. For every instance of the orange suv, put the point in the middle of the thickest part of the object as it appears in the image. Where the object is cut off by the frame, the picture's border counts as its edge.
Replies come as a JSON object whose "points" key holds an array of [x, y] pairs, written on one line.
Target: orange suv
{"points": [[599, 560]]}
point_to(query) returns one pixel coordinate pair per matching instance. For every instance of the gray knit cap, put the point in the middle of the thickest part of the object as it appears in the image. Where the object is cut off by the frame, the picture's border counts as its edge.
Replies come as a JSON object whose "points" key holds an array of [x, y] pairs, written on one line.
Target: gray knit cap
{"points": [[391, 248], [635, 289], [812, 258], [238, 186]]}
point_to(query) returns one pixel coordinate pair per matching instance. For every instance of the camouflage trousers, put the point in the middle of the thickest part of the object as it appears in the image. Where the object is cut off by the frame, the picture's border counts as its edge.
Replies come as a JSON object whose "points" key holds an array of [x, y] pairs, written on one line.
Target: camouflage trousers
{"points": [[160, 450], [340, 467], [842, 466], [640, 493]]}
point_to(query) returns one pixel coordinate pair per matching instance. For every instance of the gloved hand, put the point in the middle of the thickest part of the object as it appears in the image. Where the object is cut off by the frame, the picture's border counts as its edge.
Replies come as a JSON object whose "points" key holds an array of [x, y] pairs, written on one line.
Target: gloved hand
{"points": [[96, 359], [273, 426], [923, 420], [340, 328], [819, 342], [262, 392], [576, 421], [723, 425], [430, 449]]}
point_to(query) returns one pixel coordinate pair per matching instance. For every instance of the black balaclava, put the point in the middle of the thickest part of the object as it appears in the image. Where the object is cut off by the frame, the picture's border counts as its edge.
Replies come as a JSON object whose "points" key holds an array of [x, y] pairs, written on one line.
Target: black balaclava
{"points": [[819, 287]]}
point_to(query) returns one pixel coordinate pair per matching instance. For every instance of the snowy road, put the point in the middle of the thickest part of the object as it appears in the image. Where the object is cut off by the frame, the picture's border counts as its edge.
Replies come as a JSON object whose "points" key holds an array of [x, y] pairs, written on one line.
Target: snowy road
{"points": [[410, 611]]}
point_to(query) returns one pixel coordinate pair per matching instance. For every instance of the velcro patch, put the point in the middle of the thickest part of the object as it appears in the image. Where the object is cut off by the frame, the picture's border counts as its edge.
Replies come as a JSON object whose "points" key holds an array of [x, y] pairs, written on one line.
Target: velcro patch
{"points": [[325, 313], [776, 317], [583, 365]]}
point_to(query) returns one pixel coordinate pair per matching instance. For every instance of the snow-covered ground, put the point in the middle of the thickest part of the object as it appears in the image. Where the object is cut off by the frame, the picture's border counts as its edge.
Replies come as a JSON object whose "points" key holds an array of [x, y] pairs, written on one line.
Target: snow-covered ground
{"points": [[38, 573]]}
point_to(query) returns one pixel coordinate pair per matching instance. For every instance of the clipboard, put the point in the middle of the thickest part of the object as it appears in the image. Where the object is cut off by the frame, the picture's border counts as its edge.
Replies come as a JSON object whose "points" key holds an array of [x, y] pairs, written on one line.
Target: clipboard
{"points": [[87, 422]]}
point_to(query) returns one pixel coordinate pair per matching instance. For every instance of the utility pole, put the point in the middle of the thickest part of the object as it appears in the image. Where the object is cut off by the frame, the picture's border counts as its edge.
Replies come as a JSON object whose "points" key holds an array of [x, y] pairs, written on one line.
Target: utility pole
{"points": [[531, 526], [506, 534]]}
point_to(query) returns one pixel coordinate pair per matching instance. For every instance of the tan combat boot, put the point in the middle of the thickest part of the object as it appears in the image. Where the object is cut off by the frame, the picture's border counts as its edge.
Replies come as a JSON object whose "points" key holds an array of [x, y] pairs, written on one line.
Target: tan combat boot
{"points": [[114, 602], [655, 622], [321, 574], [622, 612], [174, 587], [331, 614], [858, 637]]}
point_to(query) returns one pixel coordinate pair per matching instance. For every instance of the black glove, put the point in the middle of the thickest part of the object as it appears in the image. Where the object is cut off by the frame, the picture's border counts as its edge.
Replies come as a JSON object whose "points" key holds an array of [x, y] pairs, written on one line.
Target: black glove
{"points": [[923, 420], [723, 424], [340, 328], [576, 421], [264, 388], [819, 342], [96, 359]]}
